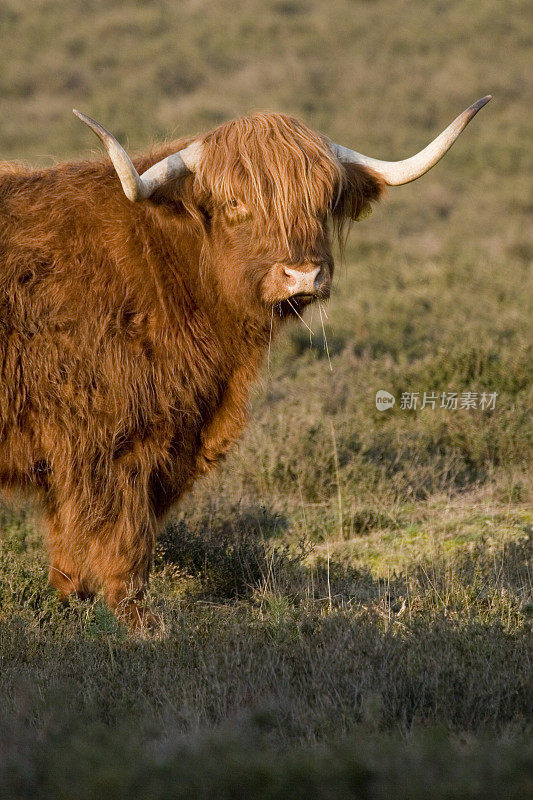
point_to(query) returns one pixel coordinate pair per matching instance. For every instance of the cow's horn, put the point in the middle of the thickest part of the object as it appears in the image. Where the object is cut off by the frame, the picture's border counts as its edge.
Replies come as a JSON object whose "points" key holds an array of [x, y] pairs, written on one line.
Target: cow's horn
{"points": [[395, 173], [140, 187]]}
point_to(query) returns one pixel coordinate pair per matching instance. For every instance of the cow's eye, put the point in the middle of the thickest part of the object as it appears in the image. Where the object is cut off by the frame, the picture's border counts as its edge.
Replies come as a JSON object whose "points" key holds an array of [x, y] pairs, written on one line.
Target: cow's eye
{"points": [[236, 208]]}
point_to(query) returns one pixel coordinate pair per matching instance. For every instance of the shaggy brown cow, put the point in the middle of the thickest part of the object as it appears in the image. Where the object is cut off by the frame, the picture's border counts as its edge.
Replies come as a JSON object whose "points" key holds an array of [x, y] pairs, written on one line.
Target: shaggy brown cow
{"points": [[133, 322]]}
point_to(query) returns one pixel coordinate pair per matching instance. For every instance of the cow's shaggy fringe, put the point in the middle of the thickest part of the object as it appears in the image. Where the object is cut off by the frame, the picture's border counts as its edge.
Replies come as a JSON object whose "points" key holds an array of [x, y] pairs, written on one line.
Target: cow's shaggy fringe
{"points": [[285, 174]]}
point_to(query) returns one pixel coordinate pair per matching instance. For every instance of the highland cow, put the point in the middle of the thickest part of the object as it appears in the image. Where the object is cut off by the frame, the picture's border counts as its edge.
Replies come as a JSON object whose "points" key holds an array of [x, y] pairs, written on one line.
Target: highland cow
{"points": [[134, 321]]}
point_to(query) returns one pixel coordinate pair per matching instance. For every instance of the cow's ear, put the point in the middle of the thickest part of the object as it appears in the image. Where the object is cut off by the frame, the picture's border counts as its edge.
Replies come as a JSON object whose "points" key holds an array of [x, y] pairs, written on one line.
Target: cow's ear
{"points": [[360, 188]]}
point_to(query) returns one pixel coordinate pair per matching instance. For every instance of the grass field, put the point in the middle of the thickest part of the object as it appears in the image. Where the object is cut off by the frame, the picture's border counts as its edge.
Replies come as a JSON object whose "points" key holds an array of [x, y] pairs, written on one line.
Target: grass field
{"points": [[349, 599]]}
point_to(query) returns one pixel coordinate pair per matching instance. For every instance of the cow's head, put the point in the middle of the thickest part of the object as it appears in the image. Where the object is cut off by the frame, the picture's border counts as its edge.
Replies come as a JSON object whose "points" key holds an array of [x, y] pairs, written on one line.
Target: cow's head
{"points": [[271, 190], [268, 188]]}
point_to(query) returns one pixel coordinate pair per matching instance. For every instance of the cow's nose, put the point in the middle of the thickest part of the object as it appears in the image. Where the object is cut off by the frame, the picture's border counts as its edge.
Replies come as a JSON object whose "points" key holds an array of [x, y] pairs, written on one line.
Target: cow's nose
{"points": [[302, 282]]}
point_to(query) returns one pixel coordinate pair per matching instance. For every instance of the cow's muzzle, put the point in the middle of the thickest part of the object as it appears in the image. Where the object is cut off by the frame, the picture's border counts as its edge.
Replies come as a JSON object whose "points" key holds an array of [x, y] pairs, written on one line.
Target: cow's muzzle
{"points": [[309, 280]]}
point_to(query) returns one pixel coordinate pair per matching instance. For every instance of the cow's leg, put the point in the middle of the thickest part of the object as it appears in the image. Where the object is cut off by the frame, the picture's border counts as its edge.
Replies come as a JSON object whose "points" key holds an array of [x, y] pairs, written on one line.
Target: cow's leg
{"points": [[102, 537], [63, 576], [112, 559], [66, 572], [121, 543], [122, 561]]}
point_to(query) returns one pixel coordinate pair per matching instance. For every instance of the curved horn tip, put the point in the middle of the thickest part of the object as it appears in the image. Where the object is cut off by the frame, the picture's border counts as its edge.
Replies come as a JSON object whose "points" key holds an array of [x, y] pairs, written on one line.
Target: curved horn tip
{"points": [[81, 115], [480, 103], [95, 126]]}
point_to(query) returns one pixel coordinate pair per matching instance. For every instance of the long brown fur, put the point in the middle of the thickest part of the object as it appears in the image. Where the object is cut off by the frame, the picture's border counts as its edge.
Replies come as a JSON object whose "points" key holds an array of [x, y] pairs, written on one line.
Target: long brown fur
{"points": [[130, 333]]}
